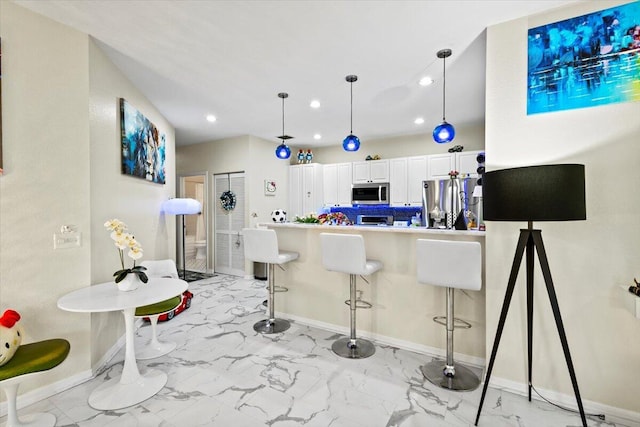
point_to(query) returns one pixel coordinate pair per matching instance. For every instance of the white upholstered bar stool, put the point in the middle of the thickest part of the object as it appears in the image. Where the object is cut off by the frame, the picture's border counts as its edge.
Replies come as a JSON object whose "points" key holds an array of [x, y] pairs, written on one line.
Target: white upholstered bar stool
{"points": [[453, 265], [261, 245], [154, 347], [345, 253]]}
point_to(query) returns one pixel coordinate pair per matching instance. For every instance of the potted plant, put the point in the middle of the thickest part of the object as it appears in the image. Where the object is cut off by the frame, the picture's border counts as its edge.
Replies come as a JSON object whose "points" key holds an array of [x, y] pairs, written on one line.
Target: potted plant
{"points": [[127, 279]]}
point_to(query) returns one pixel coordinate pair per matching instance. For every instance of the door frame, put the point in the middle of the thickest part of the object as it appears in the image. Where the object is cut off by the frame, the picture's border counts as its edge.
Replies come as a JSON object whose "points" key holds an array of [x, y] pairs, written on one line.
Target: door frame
{"points": [[214, 230], [207, 208]]}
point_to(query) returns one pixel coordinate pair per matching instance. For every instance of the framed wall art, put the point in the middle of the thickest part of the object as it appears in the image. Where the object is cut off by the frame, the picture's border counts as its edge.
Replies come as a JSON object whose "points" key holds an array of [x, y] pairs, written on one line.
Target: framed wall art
{"points": [[585, 61], [143, 147]]}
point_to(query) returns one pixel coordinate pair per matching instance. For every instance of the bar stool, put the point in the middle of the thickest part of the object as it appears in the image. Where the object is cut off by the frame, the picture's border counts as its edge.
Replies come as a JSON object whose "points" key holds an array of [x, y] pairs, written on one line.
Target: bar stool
{"points": [[30, 360], [345, 253], [453, 265], [261, 245], [154, 347]]}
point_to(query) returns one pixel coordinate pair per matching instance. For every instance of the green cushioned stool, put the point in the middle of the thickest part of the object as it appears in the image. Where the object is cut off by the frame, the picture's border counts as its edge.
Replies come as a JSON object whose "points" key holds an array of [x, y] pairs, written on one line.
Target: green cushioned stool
{"points": [[155, 348], [30, 360]]}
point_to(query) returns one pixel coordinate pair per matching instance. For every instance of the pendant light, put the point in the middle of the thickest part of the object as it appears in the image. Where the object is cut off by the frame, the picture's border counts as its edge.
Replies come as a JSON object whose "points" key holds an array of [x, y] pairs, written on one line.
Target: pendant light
{"points": [[351, 142], [283, 151], [444, 132]]}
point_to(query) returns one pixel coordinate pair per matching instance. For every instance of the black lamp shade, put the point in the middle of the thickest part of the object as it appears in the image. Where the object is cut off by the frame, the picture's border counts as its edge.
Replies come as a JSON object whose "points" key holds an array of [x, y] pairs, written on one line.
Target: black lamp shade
{"points": [[535, 193]]}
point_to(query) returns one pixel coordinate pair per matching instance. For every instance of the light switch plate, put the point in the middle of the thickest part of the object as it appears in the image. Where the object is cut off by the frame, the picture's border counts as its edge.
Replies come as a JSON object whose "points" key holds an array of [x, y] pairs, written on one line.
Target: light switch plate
{"points": [[67, 240]]}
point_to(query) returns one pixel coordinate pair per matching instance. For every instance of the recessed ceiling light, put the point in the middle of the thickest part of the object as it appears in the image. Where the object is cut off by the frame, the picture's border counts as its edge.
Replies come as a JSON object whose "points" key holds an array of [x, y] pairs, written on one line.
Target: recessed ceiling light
{"points": [[317, 136], [315, 104], [211, 118], [425, 81], [419, 121]]}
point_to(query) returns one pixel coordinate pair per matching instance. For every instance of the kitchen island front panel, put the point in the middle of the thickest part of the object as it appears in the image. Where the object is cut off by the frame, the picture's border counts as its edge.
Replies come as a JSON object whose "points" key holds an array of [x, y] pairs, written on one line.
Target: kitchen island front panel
{"points": [[403, 309]]}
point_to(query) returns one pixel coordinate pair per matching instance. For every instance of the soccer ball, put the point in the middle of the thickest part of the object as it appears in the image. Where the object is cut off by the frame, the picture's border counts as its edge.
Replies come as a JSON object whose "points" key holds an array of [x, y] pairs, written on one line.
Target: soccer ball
{"points": [[279, 215]]}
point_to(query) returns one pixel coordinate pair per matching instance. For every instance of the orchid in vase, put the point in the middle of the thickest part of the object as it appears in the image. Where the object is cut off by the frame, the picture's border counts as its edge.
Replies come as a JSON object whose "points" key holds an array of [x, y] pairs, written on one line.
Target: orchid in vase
{"points": [[124, 241]]}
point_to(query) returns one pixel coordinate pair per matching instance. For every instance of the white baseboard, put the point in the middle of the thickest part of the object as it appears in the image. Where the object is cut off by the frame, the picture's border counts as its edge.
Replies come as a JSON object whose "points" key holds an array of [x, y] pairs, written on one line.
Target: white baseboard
{"points": [[612, 414], [474, 361], [45, 392]]}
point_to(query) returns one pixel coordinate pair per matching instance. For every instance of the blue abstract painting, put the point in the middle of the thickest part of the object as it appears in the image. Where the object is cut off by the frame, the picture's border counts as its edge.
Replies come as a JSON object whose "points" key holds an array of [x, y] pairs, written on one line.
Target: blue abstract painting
{"points": [[585, 61], [143, 148]]}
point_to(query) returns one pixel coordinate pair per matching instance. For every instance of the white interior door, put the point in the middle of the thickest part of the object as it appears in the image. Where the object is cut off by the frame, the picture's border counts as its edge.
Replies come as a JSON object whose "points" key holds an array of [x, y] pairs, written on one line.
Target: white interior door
{"points": [[229, 253]]}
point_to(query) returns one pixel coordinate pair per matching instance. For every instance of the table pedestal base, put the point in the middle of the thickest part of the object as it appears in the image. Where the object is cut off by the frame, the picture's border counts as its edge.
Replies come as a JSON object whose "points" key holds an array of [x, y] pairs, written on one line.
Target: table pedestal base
{"points": [[115, 395]]}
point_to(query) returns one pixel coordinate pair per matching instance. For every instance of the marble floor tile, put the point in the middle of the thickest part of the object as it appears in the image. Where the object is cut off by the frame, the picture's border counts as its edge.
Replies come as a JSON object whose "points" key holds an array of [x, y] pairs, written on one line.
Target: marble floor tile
{"points": [[224, 374]]}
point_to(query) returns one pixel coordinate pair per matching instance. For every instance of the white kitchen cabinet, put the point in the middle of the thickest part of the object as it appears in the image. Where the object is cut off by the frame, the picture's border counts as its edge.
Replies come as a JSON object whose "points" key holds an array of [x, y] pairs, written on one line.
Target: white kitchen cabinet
{"points": [[467, 164], [305, 190], [416, 173], [464, 162], [439, 165], [405, 180], [337, 184], [371, 171]]}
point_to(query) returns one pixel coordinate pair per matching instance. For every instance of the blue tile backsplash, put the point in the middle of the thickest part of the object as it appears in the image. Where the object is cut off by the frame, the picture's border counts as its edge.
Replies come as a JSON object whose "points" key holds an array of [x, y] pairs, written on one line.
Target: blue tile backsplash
{"points": [[399, 213]]}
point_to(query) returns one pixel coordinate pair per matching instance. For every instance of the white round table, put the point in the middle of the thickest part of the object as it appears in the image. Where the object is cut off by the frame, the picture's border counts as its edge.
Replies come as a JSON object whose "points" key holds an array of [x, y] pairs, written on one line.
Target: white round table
{"points": [[132, 387]]}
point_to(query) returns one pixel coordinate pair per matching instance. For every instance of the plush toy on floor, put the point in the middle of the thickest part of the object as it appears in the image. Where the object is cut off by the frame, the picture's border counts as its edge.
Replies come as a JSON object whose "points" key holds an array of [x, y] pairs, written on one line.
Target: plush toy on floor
{"points": [[10, 335]]}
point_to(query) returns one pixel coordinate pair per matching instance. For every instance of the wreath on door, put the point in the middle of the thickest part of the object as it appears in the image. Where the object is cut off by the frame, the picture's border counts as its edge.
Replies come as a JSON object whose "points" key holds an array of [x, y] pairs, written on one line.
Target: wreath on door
{"points": [[228, 200]]}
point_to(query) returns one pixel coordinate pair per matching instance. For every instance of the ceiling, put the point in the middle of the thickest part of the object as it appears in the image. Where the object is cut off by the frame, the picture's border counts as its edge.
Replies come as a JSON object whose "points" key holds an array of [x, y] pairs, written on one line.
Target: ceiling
{"points": [[232, 58]]}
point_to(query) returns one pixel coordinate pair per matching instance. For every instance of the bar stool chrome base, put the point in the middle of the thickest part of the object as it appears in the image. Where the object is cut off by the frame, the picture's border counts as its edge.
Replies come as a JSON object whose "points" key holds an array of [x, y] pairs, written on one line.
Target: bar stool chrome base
{"points": [[271, 326], [353, 348], [461, 379]]}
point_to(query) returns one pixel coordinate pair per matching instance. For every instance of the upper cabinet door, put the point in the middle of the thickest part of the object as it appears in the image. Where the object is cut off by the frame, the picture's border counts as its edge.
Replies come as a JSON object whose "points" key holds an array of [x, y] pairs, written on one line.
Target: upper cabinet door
{"points": [[379, 170], [416, 173], [330, 176], [345, 179], [398, 182], [440, 165], [467, 163], [337, 184], [371, 171], [361, 172]]}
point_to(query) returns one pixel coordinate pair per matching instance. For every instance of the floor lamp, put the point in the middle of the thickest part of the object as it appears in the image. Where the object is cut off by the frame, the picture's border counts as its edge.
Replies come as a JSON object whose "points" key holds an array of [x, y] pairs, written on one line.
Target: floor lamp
{"points": [[182, 207], [534, 193]]}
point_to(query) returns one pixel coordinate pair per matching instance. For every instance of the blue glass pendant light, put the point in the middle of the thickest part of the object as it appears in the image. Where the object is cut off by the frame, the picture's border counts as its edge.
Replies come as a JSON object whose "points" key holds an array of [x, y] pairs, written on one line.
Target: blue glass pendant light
{"points": [[283, 151], [351, 142], [444, 132]]}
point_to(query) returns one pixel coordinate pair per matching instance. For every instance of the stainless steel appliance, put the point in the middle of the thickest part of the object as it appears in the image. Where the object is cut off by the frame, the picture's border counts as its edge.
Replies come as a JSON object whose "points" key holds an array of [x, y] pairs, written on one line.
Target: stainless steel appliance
{"points": [[374, 220], [444, 200], [370, 194]]}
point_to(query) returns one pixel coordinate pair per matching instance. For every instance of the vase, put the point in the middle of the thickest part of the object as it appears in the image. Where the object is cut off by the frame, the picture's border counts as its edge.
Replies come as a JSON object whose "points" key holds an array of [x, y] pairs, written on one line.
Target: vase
{"points": [[129, 283]]}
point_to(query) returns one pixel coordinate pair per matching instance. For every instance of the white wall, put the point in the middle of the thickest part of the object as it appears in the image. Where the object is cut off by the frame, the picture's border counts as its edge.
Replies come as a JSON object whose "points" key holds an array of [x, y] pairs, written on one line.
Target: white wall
{"points": [[135, 201], [46, 184], [471, 137], [61, 152], [589, 259], [251, 155]]}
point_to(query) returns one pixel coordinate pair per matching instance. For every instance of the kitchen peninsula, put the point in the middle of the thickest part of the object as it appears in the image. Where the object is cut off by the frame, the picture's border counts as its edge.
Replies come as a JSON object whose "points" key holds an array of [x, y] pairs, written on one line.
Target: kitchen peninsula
{"points": [[402, 309]]}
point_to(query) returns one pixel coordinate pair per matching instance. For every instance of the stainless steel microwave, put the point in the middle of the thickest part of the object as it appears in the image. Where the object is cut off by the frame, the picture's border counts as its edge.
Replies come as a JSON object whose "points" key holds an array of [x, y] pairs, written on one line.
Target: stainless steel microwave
{"points": [[370, 194]]}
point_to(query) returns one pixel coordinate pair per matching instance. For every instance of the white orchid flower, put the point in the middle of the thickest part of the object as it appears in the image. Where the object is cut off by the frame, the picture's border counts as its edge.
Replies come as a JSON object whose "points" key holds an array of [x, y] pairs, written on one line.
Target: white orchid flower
{"points": [[115, 225], [123, 241], [135, 253]]}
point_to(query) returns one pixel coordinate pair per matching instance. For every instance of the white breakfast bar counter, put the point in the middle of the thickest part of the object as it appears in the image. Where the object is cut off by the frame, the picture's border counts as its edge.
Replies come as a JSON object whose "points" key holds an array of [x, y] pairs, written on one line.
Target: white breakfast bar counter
{"points": [[403, 309]]}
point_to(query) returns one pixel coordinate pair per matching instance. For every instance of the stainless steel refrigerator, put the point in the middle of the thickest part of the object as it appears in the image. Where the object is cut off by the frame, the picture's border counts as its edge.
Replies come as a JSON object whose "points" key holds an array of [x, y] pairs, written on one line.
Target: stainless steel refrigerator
{"points": [[449, 203]]}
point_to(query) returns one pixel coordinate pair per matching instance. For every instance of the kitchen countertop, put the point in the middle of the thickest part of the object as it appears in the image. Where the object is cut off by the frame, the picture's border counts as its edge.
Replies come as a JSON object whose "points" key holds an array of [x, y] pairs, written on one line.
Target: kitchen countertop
{"points": [[375, 228]]}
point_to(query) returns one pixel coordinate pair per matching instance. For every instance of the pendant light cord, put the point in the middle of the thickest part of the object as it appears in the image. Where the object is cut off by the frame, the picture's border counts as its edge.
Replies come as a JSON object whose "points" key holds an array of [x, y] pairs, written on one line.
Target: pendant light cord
{"points": [[283, 118], [444, 84], [351, 131]]}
